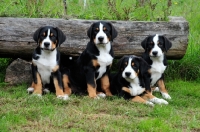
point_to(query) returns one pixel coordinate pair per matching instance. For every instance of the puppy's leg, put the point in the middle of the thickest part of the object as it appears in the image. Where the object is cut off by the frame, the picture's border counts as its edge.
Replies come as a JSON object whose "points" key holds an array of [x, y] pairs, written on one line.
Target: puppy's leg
{"points": [[148, 96], [162, 89], [66, 83], [105, 85], [91, 83], [36, 87], [58, 85], [137, 99]]}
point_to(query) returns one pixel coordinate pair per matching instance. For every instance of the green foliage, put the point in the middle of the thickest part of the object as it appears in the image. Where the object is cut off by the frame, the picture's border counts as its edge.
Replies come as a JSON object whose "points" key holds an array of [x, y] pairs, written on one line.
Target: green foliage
{"points": [[23, 112]]}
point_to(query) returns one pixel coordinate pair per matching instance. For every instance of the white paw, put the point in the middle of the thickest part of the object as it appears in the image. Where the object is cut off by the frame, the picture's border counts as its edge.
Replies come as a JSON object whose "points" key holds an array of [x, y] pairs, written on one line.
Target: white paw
{"points": [[46, 91], [63, 97], [30, 90], [149, 103], [158, 101], [166, 96], [156, 89], [101, 95], [38, 95]]}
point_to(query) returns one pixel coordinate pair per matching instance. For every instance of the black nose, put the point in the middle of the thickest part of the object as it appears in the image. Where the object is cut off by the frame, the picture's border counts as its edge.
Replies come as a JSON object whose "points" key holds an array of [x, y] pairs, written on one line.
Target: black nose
{"points": [[155, 53], [46, 44], [100, 39], [127, 74]]}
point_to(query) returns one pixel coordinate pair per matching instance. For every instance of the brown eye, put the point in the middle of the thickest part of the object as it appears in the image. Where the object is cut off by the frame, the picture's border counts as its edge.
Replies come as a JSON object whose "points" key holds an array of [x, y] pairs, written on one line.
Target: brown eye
{"points": [[126, 63], [132, 64], [97, 29], [44, 34], [104, 29]]}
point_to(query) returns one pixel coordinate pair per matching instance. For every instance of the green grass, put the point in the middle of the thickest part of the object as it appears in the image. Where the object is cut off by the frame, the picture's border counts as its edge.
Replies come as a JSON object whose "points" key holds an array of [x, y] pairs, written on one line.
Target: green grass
{"points": [[22, 112]]}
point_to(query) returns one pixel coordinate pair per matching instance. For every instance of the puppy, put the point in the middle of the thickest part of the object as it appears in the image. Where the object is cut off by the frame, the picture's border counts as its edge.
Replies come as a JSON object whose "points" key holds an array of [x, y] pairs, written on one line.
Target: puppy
{"points": [[90, 72], [132, 81], [155, 47], [46, 62]]}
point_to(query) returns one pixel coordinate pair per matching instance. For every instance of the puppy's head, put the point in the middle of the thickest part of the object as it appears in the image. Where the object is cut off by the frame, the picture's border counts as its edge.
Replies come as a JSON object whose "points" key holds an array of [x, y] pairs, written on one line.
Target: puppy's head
{"points": [[49, 37], [101, 32], [131, 66], [156, 45]]}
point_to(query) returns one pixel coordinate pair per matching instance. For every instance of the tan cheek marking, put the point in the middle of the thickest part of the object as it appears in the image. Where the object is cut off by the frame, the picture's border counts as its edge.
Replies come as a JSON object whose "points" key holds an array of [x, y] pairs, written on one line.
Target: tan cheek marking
{"points": [[37, 87], [59, 90], [105, 85], [161, 86], [91, 91], [138, 99], [66, 82], [53, 46], [95, 63], [137, 73], [55, 68]]}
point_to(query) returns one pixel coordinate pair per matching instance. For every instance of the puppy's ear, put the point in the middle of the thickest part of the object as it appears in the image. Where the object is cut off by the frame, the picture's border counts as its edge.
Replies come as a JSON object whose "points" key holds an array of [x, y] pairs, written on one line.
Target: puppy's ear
{"points": [[114, 32], [61, 36], [144, 43], [89, 32], [36, 34], [144, 66], [120, 62], [167, 43]]}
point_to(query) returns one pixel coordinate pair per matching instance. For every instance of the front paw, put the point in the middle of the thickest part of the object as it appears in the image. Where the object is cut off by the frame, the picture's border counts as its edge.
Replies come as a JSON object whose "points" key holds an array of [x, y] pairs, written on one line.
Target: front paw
{"points": [[30, 90], [63, 97], [158, 101], [101, 95], [166, 96]]}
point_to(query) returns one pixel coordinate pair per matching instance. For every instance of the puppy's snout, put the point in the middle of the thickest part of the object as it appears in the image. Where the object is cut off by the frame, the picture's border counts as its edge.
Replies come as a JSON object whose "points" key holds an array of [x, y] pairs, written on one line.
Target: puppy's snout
{"points": [[46, 44], [100, 38], [127, 74], [155, 53]]}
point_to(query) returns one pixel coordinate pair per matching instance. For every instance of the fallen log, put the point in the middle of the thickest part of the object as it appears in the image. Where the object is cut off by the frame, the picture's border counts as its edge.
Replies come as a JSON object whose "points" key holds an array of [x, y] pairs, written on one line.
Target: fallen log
{"points": [[16, 36]]}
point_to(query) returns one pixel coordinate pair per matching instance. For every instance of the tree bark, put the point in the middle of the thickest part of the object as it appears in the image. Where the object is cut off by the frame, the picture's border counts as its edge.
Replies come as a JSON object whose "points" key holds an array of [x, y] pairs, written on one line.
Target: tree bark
{"points": [[16, 36]]}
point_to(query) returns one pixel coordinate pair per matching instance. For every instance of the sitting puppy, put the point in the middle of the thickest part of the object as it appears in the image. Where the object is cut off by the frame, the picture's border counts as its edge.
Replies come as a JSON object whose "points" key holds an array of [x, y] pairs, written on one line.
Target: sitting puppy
{"points": [[132, 81], [155, 46], [90, 72], [45, 62]]}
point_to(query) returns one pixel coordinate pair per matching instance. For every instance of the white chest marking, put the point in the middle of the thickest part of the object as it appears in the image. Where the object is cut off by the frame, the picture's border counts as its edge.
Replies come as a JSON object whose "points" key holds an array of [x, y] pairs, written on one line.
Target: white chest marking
{"points": [[45, 64], [157, 69], [135, 88], [104, 59]]}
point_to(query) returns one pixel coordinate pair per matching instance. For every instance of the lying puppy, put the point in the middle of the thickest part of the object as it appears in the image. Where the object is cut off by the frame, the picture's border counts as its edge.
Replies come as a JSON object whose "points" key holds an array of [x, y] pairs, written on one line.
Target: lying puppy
{"points": [[155, 46], [132, 81], [46, 62], [90, 72]]}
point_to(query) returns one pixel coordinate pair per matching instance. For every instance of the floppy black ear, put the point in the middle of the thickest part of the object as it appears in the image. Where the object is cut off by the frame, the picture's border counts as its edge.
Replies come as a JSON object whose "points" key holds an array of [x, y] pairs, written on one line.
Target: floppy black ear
{"points": [[119, 63], [144, 66], [36, 34], [144, 43], [114, 32], [167, 43], [89, 32], [61, 36]]}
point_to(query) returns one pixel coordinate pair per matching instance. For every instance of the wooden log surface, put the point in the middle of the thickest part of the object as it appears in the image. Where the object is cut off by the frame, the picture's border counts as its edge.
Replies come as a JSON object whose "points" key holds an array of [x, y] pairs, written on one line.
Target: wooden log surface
{"points": [[16, 35]]}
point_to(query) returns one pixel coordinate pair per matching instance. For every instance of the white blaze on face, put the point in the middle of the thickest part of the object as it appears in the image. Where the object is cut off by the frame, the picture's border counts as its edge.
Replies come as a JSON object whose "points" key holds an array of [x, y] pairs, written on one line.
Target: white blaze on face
{"points": [[101, 34], [156, 48], [47, 40], [129, 70]]}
